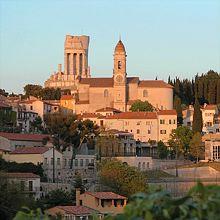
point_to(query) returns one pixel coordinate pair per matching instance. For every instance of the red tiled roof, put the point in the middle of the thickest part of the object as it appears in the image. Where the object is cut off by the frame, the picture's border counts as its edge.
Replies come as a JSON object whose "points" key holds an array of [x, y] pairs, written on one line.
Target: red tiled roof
{"points": [[24, 137], [108, 109], [105, 195], [154, 84], [97, 82], [66, 97], [89, 115], [167, 112], [21, 175], [132, 80], [76, 210], [133, 115], [30, 150]]}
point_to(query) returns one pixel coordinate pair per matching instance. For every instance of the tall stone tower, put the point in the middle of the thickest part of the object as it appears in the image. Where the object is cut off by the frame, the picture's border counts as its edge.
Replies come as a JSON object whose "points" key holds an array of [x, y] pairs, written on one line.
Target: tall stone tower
{"points": [[76, 56], [119, 75]]}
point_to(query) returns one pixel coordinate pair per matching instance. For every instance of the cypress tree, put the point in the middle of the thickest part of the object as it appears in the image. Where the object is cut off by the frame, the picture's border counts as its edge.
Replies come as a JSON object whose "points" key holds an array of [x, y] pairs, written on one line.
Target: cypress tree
{"points": [[178, 107], [218, 93], [197, 117]]}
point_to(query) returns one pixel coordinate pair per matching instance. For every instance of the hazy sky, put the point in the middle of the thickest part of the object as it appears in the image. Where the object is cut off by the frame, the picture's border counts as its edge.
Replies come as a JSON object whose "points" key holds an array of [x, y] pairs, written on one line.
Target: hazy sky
{"points": [[180, 38]]}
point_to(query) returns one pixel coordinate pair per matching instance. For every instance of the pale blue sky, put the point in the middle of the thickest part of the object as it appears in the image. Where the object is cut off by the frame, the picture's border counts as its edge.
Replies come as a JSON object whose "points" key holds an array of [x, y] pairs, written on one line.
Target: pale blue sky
{"points": [[167, 37]]}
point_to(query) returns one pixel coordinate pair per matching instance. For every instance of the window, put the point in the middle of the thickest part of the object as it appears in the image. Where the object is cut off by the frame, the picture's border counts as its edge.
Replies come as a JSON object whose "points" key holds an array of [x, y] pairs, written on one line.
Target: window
{"points": [[106, 93], [170, 121], [69, 162], [138, 131], [87, 162], [143, 166], [119, 65], [58, 161], [148, 131], [22, 185], [31, 107], [139, 165], [30, 185], [51, 161], [65, 162], [162, 121], [163, 131], [138, 123], [81, 162], [76, 163], [145, 93], [174, 121]]}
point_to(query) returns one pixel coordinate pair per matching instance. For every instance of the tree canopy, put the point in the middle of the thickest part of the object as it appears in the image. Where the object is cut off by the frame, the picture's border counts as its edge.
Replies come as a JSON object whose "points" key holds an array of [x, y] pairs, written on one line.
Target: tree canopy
{"points": [[40, 92], [197, 118], [142, 106], [180, 140], [121, 178]]}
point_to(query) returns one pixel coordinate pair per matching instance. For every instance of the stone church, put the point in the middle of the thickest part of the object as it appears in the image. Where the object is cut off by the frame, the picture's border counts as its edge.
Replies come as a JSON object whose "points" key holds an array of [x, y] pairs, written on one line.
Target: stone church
{"points": [[90, 94]]}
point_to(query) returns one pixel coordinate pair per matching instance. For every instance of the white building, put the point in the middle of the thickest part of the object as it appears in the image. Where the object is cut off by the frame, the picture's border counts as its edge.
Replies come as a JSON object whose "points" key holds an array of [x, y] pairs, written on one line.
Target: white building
{"points": [[210, 116]]}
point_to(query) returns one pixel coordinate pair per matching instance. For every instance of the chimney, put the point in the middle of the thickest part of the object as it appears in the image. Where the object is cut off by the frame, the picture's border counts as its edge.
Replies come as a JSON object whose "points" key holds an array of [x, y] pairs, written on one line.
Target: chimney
{"points": [[59, 68], [77, 196]]}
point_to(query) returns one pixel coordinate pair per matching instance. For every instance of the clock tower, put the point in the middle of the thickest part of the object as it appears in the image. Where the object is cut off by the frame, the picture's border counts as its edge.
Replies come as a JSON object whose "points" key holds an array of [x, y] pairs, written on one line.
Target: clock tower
{"points": [[119, 76]]}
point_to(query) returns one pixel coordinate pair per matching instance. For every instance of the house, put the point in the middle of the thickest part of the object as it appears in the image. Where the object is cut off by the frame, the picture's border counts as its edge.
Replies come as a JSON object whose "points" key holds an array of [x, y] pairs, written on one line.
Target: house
{"points": [[144, 126], [41, 107], [29, 183], [15, 140], [212, 147], [103, 202], [72, 212], [39, 155], [210, 117], [122, 144]]}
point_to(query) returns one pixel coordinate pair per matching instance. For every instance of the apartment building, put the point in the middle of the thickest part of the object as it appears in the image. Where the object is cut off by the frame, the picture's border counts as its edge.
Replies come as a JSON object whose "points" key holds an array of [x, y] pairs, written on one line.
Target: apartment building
{"points": [[144, 126]]}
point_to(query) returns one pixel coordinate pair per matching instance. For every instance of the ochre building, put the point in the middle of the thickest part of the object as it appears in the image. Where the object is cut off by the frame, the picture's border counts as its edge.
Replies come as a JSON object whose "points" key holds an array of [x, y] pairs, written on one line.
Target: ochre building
{"points": [[119, 91]]}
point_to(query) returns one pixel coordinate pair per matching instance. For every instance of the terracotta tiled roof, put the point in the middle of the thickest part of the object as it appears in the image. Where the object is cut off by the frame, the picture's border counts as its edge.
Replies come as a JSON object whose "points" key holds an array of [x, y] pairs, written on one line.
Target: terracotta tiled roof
{"points": [[76, 210], [120, 47], [66, 97], [82, 102], [30, 150], [106, 195], [133, 115], [24, 137], [132, 80], [108, 109], [97, 82], [154, 84], [167, 112], [20, 175], [89, 115]]}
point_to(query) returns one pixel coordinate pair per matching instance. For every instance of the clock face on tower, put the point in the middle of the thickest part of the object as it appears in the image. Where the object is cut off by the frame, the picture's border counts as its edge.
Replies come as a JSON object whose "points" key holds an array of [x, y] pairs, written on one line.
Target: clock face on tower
{"points": [[119, 79]]}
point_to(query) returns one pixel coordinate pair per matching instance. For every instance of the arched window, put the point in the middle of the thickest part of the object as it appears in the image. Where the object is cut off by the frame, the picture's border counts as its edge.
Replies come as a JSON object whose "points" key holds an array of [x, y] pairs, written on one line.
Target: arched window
{"points": [[139, 165], [119, 65], [143, 166], [145, 93], [106, 93]]}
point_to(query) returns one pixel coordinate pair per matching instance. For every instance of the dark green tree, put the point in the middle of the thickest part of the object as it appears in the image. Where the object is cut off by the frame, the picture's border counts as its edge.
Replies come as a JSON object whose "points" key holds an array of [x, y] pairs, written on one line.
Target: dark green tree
{"points": [[178, 107], [140, 106], [162, 150], [121, 178], [218, 92], [37, 124], [197, 118]]}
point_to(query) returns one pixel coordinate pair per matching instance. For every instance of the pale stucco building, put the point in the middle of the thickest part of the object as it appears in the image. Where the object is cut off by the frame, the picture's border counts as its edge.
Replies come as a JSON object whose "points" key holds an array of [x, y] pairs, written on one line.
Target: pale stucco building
{"points": [[118, 91]]}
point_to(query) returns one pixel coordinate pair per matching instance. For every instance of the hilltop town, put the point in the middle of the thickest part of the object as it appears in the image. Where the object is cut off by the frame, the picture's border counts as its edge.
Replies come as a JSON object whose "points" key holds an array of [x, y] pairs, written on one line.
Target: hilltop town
{"points": [[81, 145]]}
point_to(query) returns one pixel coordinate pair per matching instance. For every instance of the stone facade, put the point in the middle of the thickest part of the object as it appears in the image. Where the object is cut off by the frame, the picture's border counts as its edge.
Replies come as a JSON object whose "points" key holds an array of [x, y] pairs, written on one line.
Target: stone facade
{"points": [[119, 91]]}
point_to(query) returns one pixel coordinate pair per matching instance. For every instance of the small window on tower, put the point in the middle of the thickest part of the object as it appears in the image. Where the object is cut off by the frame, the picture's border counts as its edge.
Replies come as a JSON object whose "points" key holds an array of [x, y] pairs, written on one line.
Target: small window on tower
{"points": [[105, 93], [119, 65]]}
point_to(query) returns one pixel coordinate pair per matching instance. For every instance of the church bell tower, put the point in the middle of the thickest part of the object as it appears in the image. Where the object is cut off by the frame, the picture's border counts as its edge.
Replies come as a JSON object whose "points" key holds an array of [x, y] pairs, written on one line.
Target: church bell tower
{"points": [[119, 75]]}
